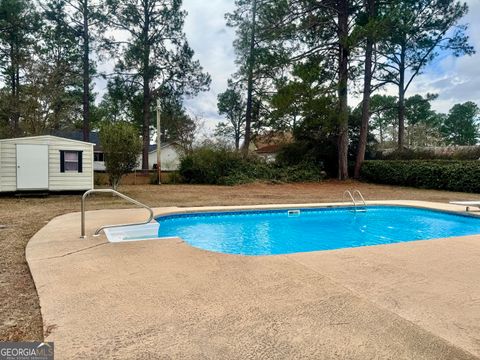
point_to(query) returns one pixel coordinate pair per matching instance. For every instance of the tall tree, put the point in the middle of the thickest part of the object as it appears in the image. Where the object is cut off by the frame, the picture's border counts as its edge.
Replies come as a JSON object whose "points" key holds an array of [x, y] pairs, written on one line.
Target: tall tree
{"points": [[155, 55], [419, 31], [232, 106], [86, 20], [369, 29], [322, 29], [52, 91], [343, 112], [244, 19], [259, 57], [250, 68], [461, 126], [19, 25]]}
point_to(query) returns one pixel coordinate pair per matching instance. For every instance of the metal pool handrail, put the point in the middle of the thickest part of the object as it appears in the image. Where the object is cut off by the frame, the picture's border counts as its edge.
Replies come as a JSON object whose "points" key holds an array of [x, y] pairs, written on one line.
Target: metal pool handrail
{"points": [[347, 192], [352, 197], [361, 196], [125, 197]]}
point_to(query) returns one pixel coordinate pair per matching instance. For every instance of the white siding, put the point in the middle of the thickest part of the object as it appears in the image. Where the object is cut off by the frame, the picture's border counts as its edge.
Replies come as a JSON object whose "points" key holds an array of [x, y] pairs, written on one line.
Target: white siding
{"points": [[9, 167], [70, 180], [57, 180], [99, 165], [170, 158]]}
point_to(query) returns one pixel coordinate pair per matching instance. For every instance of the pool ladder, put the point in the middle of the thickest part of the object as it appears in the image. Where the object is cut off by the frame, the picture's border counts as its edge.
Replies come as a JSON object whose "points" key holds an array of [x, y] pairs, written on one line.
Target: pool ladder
{"points": [[351, 194]]}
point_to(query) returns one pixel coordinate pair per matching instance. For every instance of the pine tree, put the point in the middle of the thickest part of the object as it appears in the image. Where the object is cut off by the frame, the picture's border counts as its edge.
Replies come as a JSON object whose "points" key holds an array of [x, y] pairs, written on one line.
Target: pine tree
{"points": [[418, 31], [156, 55], [86, 20], [19, 25], [232, 105]]}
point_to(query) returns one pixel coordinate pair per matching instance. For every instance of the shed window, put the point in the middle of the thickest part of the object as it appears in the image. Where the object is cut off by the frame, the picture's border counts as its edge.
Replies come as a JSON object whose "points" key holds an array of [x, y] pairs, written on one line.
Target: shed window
{"points": [[70, 161]]}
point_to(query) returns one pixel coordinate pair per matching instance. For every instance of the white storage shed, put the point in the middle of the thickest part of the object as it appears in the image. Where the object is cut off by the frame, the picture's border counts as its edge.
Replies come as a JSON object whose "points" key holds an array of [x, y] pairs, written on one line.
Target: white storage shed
{"points": [[45, 163]]}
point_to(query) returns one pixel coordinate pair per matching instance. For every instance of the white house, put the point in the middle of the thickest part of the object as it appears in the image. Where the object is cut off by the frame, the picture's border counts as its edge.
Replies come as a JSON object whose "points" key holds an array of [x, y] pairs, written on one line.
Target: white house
{"points": [[45, 163], [170, 154], [170, 158]]}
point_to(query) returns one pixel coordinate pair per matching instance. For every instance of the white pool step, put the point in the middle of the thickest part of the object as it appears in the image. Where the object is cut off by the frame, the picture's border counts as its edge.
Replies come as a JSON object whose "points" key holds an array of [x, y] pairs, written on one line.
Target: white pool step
{"points": [[134, 232]]}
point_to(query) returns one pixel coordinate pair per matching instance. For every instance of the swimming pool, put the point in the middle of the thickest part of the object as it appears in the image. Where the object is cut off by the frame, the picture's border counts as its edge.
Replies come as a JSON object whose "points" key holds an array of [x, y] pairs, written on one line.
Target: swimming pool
{"points": [[269, 232]]}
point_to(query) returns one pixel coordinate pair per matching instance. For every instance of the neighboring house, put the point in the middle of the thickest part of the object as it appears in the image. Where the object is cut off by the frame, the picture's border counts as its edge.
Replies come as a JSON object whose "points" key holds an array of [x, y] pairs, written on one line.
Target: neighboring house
{"points": [[269, 144], [45, 163], [170, 153], [170, 156], [269, 152]]}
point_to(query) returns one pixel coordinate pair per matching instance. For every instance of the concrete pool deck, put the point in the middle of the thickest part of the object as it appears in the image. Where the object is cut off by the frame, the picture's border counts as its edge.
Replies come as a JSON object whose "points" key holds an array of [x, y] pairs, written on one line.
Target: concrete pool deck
{"points": [[166, 299]]}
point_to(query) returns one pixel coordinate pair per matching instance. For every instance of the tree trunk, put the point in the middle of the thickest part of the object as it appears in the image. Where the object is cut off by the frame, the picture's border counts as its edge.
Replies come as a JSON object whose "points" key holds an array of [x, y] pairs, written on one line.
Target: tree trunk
{"points": [[86, 73], [237, 141], [15, 94], [401, 102], [251, 62], [146, 123], [367, 89], [343, 90], [146, 89]]}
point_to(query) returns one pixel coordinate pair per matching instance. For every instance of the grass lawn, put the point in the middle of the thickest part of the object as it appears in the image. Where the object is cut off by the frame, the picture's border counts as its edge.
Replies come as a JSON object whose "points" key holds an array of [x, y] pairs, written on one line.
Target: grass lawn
{"points": [[20, 317]]}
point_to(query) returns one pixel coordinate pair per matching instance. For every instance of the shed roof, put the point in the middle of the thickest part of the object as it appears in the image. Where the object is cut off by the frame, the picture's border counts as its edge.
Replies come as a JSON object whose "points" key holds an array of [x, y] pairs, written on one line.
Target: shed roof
{"points": [[45, 137]]}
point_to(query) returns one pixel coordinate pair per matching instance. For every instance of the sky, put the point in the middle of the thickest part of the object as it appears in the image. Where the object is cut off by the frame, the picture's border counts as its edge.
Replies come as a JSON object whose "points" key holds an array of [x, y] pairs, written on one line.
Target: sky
{"points": [[454, 79]]}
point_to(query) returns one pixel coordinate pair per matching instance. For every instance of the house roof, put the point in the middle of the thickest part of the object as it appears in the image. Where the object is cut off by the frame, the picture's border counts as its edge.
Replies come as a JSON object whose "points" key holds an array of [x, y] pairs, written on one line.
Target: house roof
{"points": [[269, 149], [153, 147], [78, 136], [47, 137], [272, 138]]}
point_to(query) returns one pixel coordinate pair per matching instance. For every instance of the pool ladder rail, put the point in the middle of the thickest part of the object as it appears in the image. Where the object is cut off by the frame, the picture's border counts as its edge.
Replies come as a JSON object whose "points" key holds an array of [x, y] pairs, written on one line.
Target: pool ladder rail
{"points": [[114, 192], [351, 194]]}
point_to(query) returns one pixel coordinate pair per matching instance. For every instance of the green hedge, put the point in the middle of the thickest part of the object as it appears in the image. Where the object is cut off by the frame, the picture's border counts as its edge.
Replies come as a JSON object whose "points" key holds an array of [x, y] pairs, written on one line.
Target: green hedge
{"points": [[453, 153], [434, 174]]}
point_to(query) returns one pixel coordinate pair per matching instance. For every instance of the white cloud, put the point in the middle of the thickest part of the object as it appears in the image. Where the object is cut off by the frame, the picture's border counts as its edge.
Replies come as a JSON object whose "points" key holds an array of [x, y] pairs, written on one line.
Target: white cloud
{"points": [[212, 42], [455, 79]]}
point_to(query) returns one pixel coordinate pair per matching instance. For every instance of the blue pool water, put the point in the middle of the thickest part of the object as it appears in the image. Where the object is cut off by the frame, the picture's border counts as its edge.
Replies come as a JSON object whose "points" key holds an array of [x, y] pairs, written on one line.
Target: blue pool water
{"points": [[275, 232]]}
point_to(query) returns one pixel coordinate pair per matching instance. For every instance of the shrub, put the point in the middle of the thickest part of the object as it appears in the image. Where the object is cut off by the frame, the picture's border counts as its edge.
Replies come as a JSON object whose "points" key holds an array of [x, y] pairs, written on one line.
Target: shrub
{"points": [[100, 179], [210, 166], [226, 167], [319, 153], [121, 145], [435, 174]]}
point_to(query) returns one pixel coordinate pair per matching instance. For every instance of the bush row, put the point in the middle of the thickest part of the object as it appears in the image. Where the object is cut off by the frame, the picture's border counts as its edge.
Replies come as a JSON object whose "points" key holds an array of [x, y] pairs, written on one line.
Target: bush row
{"points": [[226, 167], [434, 174], [443, 153]]}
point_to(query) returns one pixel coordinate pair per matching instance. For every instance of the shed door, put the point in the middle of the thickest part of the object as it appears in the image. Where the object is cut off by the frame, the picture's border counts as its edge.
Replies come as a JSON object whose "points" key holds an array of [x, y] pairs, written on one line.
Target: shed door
{"points": [[32, 167]]}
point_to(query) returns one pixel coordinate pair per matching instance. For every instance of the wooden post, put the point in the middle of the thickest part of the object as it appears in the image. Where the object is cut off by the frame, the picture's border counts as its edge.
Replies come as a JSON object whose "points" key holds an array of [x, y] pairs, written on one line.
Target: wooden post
{"points": [[159, 151]]}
